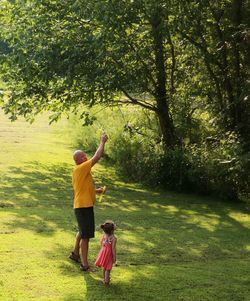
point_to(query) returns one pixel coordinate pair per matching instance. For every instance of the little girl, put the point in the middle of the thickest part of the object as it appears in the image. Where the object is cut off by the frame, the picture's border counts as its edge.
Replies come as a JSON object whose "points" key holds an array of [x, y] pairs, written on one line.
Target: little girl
{"points": [[107, 254]]}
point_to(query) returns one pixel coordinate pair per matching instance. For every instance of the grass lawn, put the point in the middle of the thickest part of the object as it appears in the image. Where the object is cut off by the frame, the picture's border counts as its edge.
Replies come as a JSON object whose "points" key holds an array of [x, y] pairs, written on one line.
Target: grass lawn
{"points": [[170, 246]]}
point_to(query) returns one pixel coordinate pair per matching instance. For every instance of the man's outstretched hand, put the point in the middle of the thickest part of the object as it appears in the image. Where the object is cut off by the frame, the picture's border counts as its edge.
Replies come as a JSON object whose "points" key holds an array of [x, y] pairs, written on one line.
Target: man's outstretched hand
{"points": [[104, 138]]}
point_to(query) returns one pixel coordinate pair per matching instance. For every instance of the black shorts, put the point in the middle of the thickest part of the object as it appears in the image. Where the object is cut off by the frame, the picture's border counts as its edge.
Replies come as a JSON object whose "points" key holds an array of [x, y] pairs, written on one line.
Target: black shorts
{"points": [[86, 221]]}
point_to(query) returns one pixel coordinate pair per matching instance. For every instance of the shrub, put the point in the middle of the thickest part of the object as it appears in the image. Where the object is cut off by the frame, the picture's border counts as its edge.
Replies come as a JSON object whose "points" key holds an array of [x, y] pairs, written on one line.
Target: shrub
{"points": [[221, 170], [216, 166]]}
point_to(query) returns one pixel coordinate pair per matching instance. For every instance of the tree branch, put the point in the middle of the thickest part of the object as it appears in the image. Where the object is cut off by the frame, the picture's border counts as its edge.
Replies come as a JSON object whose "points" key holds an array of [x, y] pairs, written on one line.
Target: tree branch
{"points": [[173, 66], [135, 101], [149, 75], [207, 59], [121, 66]]}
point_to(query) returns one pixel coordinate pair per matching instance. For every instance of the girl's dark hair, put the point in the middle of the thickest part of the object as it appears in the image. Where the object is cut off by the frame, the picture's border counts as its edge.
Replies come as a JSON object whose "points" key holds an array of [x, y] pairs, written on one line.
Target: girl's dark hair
{"points": [[108, 227]]}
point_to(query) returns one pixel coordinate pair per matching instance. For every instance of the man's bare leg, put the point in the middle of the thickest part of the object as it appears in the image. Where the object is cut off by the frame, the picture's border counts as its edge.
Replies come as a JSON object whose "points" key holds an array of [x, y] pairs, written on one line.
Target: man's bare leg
{"points": [[77, 244], [75, 256], [84, 248]]}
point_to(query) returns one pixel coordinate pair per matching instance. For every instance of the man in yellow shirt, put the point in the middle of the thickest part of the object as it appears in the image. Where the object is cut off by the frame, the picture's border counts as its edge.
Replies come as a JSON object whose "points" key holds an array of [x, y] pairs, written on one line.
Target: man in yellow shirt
{"points": [[84, 200]]}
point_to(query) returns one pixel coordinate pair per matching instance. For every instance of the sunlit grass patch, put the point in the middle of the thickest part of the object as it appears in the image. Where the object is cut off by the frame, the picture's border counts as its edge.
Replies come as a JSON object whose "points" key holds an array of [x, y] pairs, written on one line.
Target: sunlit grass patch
{"points": [[242, 218], [170, 246]]}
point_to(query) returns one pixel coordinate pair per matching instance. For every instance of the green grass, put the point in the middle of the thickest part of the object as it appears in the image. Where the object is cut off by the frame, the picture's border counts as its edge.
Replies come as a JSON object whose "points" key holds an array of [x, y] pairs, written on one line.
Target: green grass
{"points": [[170, 246]]}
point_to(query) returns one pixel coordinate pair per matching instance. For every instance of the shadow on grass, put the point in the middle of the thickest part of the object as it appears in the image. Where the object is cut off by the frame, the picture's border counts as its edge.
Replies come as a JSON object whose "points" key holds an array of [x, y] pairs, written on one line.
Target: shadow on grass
{"points": [[39, 196], [174, 282], [153, 227], [167, 227]]}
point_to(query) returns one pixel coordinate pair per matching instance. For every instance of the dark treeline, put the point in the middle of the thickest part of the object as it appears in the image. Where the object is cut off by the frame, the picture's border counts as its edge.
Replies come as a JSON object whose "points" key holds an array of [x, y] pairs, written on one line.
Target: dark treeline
{"points": [[186, 63]]}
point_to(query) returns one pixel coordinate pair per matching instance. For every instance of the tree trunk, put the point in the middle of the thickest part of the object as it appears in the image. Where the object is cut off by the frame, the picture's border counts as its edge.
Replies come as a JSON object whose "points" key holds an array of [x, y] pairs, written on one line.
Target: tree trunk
{"points": [[166, 123]]}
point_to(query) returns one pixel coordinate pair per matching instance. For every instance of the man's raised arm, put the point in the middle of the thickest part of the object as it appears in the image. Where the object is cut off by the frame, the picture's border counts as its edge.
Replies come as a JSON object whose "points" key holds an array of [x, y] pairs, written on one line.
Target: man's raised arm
{"points": [[100, 149]]}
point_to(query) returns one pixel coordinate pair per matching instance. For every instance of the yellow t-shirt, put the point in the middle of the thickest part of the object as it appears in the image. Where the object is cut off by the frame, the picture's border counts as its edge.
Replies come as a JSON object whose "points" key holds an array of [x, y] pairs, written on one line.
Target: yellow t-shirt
{"points": [[83, 185]]}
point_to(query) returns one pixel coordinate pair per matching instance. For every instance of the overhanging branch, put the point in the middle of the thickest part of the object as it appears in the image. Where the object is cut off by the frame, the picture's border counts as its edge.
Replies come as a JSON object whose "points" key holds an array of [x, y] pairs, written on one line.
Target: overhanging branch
{"points": [[134, 101]]}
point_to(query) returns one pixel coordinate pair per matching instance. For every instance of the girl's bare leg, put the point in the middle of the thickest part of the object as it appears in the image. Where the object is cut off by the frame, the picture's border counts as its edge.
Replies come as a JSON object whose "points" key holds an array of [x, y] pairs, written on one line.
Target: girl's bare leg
{"points": [[103, 275], [106, 277]]}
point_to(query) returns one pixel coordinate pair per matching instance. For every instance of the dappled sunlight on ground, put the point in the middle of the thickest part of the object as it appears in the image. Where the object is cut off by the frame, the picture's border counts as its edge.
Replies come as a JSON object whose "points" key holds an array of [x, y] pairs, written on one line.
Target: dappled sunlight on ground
{"points": [[243, 219], [208, 223], [162, 236]]}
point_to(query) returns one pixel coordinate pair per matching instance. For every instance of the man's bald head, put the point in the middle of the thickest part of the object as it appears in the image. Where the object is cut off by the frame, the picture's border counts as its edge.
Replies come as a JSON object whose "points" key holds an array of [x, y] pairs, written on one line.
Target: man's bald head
{"points": [[79, 156]]}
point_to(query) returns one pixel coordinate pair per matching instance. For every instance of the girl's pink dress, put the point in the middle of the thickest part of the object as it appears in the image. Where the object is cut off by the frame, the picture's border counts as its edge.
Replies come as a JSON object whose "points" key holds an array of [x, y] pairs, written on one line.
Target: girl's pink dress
{"points": [[105, 256]]}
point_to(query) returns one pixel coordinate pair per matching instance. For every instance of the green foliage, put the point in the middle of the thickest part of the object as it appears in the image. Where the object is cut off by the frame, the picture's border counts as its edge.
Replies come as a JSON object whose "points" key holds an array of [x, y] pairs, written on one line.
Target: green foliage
{"points": [[171, 58], [215, 166], [222, 171], [184, 63], [218, 30], [68, 53]]}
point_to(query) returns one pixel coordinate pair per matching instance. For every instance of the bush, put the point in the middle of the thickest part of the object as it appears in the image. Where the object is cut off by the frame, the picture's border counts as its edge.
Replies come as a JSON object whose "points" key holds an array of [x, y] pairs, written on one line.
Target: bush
{"points": [[217, 167], [220, 170]]}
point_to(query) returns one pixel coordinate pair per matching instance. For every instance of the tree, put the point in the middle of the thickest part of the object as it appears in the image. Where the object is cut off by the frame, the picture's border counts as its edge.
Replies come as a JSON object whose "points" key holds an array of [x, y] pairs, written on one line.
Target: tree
{"points": [[64, 53], [169, 57], [219, 30]]}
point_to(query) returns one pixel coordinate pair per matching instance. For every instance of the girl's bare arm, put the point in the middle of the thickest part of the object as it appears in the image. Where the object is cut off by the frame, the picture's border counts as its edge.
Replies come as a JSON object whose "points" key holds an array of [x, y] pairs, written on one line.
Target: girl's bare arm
{"points": [[101, 239], [114, 249]]}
